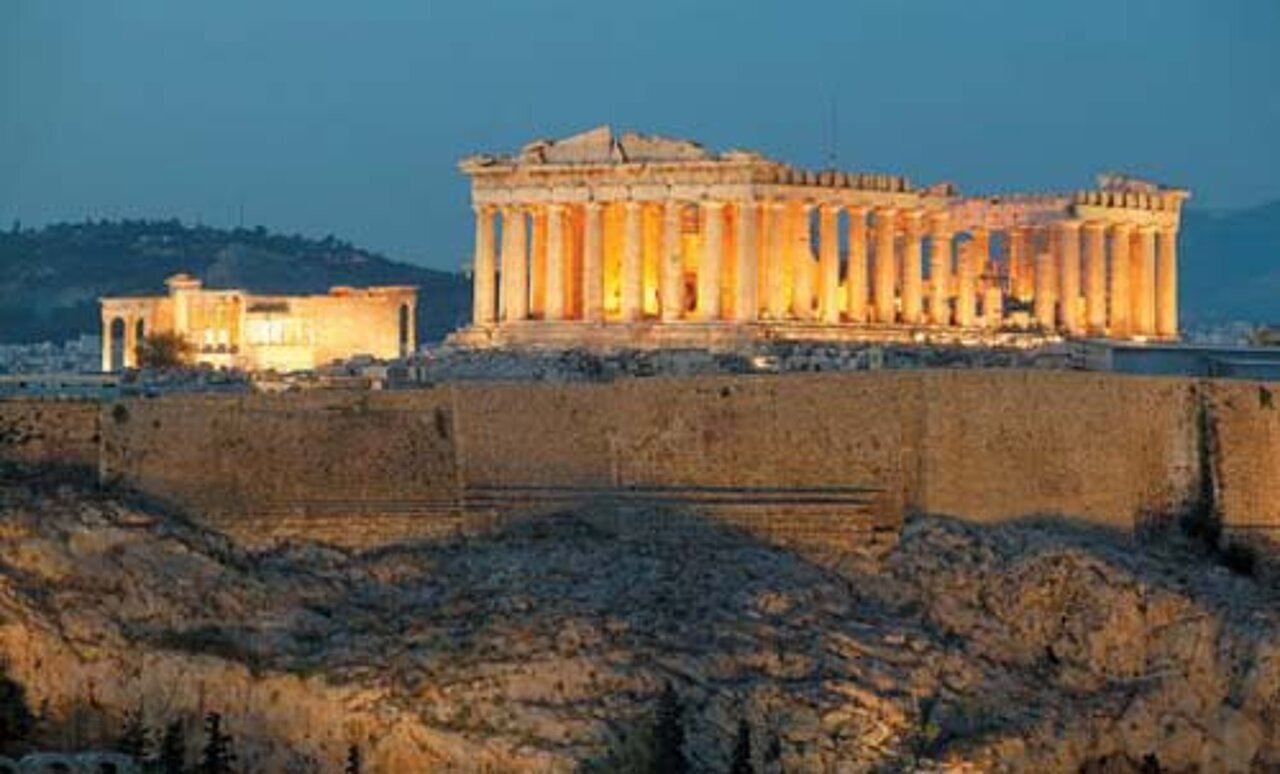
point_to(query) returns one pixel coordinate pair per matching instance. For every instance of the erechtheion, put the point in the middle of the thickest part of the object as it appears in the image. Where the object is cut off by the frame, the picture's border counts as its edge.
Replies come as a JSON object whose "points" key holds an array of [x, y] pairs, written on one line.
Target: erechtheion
{"points": [[237, 329]]}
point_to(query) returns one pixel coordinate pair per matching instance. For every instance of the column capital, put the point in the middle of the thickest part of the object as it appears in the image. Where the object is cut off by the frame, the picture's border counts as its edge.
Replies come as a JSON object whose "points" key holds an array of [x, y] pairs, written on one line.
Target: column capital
{"points": [[593, 205], [1094, 225], [712, 203], [483, 208], [830, 208], [1121, 228], [554, 207], [1068, 225], [1146, 229], [913, 217], [857, 210], [633, 205], [776, 205]]}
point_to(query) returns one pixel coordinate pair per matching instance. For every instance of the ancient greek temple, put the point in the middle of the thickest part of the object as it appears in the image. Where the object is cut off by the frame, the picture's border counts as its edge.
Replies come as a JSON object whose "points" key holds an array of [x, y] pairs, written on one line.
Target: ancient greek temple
{"points": [[635, 240]]}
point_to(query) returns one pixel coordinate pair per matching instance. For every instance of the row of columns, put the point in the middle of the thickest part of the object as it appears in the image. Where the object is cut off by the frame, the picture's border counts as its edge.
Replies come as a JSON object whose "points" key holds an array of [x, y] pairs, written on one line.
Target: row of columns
{"points": [[760, 258], [1112, 279]]}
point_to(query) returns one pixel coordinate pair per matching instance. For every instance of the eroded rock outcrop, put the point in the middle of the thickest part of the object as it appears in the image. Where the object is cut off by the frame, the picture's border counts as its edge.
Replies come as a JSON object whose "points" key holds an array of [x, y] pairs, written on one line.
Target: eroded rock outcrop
{"points": [[544, 645]]}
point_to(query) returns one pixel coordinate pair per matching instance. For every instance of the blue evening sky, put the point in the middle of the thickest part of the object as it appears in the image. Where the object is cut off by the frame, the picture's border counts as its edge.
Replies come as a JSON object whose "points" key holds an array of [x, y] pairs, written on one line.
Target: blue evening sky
{"points": [[333, 116]]}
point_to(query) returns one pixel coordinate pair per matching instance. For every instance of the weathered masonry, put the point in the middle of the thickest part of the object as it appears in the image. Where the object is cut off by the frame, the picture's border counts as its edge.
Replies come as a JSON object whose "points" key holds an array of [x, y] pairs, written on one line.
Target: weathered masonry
{"points": [[636, 240], [237, 329]]}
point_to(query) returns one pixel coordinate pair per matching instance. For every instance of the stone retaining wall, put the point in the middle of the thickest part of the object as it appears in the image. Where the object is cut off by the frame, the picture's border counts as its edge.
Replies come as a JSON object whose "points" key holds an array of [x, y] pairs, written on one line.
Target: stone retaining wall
{"points": [[838, 455]]}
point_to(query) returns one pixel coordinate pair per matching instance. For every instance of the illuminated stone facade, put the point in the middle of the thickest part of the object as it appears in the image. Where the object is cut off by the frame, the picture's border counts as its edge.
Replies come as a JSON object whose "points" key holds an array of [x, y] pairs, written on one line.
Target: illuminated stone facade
{"points": [[642, 241], [236, 329]]}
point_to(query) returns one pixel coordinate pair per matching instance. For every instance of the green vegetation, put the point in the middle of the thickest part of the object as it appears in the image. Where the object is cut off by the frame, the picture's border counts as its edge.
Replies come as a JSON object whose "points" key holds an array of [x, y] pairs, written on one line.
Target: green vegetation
{"points": [[164, 350]]}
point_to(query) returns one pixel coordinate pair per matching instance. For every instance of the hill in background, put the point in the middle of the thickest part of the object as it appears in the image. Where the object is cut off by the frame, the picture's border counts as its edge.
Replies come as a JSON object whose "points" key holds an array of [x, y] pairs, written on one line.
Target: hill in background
{"points": [[1230, 263], [51, 278]]}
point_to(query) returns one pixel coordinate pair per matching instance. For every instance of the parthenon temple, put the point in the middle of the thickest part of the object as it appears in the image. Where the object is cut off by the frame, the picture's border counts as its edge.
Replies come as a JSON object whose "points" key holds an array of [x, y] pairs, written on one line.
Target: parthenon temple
{"points": [[647, 241]]}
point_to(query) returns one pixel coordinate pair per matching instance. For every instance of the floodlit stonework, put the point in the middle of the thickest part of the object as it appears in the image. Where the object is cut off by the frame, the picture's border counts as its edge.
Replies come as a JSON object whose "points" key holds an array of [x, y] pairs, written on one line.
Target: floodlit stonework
{"points": [[631, 240], [237, 329]]}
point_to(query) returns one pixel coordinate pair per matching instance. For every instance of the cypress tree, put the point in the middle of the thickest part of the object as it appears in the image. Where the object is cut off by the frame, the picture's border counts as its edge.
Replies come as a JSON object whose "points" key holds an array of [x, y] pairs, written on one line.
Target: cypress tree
{"points": [[741, 763], [173, 749], [354, 762], [668, 734], [217, 756]]}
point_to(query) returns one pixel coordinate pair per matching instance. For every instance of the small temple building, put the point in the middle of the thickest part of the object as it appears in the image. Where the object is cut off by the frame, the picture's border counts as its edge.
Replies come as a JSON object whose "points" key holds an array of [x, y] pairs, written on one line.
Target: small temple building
{"points": [[237, 329], [638, 241]]}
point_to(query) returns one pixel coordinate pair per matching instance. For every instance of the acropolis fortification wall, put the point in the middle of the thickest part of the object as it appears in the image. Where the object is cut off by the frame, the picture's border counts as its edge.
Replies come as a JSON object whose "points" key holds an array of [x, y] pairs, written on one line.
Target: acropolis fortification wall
{"points": [[832, 457]]}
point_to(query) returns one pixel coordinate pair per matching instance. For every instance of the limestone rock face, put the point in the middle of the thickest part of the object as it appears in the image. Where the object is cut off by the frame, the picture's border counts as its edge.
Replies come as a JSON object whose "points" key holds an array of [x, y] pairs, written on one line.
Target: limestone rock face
{"points": [[544, 645]]}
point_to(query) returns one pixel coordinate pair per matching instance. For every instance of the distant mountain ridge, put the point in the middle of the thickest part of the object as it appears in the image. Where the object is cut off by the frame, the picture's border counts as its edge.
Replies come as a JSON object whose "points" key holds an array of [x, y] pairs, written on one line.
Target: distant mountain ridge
{"points": [[1230, 264], [51, 278]]}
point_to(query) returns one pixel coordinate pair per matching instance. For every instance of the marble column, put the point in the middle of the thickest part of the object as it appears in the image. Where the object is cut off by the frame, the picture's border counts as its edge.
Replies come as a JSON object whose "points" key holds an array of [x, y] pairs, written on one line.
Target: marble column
{"points": [[1119, 295], [912, 277], [980, 263], [592, 263], [801, 257], [1144, 294], [130, 358], [856, 272], [632, 304], [746, 306], [483, 270], [1021, 269], [829, 263], [515, 264], [537, 261], [1068, 260], [1046, 290], [1095, 277], [940, 269], [107, 345], [1167, 283], [886, 265], [966, 289], [712, 259], [554, 281], [671, 275], [777, 256]]}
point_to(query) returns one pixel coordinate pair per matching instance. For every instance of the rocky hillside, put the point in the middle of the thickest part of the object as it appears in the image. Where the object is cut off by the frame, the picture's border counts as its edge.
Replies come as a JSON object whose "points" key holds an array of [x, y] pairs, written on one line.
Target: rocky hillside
{"points": [[547, 644], [51, 278]]}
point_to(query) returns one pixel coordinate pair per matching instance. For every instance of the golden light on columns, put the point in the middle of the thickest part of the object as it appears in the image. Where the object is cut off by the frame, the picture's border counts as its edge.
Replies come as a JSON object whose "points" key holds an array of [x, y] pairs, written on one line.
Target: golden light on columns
{"points": [[856, 270], [829, 262], [1167, 282], [912, 267], [886, 261], [1119, 295], [671, 293], [593, 262], [939, 268]]}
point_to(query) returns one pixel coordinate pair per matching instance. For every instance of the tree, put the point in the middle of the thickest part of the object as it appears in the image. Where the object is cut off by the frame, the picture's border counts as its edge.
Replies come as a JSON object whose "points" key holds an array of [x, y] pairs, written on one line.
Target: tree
{"points": [[668, 734], [217, 757], [135, 737], [741, 763], [16, 720], [164, 350], [354, 763], [173, 749]]}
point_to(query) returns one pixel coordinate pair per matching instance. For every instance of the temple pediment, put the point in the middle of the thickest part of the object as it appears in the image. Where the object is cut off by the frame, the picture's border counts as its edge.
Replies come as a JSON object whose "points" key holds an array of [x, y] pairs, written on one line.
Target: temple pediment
{"points": [[601, 146]]}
